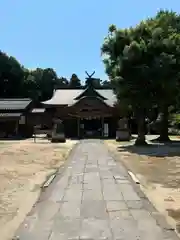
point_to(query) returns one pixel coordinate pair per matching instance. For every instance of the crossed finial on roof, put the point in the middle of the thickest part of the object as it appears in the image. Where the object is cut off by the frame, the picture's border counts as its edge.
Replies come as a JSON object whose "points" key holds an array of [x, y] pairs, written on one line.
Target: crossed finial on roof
{"points": [[89, 75]]}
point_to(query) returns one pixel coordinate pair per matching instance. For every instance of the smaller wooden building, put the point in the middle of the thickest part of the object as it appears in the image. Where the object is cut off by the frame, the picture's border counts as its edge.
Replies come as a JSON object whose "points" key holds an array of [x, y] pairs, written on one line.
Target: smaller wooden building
{"points": [[18, 117]]}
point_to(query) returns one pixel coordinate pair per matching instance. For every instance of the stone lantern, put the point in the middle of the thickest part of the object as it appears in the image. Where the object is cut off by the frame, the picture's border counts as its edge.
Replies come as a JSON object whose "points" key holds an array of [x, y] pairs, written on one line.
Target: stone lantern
{"points": [[123, 132], [58, 131]]}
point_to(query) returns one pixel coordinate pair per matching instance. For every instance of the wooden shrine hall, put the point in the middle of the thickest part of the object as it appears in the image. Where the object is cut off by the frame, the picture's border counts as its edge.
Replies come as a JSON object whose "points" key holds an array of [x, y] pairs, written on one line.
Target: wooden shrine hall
{"points": [[85, 113]]}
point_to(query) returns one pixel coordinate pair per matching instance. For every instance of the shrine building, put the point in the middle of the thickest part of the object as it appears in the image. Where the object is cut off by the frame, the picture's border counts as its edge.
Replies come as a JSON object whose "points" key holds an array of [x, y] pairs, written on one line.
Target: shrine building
{"points": [[85, 113]]}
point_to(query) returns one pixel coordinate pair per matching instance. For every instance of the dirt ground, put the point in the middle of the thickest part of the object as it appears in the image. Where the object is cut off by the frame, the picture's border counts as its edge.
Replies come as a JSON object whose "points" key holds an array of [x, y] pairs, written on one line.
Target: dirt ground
{"points": [[24, 167], [158, 170]]}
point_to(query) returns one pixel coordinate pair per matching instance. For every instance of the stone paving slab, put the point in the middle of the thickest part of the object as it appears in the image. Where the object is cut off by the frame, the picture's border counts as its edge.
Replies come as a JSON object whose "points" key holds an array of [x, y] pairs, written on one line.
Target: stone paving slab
{"points": [[93, 199]]}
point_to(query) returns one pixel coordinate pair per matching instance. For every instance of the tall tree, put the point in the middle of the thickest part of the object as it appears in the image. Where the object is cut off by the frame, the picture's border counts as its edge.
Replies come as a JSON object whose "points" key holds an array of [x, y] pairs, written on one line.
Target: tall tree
{"points": [[143, 64], [11, 76], [165, 45], [40, 83], [74, 82], [61, 83], [48, 82], [126, 64]]}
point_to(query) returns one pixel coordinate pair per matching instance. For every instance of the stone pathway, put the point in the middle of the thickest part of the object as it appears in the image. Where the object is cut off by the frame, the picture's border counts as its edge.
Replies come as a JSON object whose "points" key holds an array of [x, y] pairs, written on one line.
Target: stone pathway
{"points": [[92, 199]]}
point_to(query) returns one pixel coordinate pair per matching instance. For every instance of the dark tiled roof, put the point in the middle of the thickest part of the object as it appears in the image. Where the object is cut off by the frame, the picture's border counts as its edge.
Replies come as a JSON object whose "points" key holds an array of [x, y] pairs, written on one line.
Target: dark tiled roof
{"points": [[14, 103], [4, 115], [68, 96]]}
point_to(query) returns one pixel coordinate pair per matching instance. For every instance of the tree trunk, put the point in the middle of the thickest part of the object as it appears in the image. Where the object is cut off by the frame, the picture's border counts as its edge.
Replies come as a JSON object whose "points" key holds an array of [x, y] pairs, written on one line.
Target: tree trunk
{"points": [[141, 140], [164, 126]]}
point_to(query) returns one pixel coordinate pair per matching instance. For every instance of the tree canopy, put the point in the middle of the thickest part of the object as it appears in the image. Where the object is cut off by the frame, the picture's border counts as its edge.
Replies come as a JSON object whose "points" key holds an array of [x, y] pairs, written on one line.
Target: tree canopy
{"points": [[142, 63], [38, 84]]}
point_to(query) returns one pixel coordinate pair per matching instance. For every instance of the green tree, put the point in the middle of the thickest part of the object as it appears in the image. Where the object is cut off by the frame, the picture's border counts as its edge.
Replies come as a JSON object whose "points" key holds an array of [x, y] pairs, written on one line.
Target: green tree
{"points": [[142, 63], [40, 83], [30, 86], [74, 82], [48, 82], [11, 76], [61, 83], [164, 45], [126, 63]]}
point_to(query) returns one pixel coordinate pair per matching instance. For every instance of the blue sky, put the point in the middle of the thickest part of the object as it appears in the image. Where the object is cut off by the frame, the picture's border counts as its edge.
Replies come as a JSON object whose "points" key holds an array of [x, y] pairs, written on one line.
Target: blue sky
{"points": [[67, 34]]}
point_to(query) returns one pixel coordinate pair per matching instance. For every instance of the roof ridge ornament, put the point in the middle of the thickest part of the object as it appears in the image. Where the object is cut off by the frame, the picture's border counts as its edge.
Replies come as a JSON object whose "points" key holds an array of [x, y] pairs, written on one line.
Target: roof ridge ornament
{"points": [[90, 90], [89, 79], [90, 75]]}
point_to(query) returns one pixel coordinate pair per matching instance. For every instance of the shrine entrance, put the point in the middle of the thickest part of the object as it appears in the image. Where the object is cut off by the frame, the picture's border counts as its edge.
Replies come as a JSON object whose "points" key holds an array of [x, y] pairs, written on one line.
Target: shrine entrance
{"points": [[91, 127]]}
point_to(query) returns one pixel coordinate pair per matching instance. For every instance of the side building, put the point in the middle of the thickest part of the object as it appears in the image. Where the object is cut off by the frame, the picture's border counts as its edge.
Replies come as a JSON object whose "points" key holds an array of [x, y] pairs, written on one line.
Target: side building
{"points": [[85, 113], [18, 116]]}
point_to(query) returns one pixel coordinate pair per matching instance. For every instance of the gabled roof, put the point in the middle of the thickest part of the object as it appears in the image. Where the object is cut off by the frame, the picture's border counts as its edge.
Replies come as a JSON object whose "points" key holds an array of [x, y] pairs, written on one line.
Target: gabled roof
{"points": [[89, 97], [14, 103], [90, 92], [68, 97]]}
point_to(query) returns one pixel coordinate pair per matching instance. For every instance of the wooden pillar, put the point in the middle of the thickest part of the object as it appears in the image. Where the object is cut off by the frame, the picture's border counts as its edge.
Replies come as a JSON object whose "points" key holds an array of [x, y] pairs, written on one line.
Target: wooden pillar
{"points": [[78, 126], [17, 127], [102, 123]]}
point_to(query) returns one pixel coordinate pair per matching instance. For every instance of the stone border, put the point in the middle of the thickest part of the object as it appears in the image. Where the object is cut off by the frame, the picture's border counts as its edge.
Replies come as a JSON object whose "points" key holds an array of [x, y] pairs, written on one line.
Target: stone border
{"points": [[44, 193], [59, 174]]}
